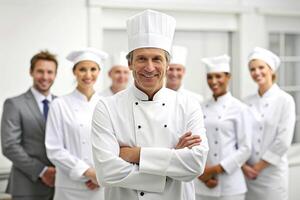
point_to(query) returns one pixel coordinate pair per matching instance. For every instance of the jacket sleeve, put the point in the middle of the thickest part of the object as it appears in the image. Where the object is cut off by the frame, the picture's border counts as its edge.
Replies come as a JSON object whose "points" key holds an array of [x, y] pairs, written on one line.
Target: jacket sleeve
{"points": [[11, 140], [242, 132], [111, 170], [180, 164], [56, 151], [285, 132]]}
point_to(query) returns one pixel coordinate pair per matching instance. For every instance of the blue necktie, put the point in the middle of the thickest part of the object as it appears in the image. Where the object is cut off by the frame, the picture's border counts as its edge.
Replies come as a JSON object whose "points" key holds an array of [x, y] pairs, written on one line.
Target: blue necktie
{"points": [[45, 107]]}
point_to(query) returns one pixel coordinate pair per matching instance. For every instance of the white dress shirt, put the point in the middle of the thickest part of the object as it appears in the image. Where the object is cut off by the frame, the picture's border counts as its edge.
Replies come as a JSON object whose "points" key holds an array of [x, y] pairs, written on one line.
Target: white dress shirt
{"points": [[274, 120], [39, 97], [227, 129], [68, 141], [129, 119]]}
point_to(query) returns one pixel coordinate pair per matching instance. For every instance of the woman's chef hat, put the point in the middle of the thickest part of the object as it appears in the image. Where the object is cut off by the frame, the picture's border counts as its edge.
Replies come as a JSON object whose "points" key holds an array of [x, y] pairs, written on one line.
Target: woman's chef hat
{"points": [[265, 55], [87, 54], [217, 64]]}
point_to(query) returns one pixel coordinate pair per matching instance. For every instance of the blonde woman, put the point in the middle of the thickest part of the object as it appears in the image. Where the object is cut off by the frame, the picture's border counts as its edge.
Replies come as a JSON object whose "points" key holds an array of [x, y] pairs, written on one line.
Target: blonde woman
{"points": [[273, 112]]}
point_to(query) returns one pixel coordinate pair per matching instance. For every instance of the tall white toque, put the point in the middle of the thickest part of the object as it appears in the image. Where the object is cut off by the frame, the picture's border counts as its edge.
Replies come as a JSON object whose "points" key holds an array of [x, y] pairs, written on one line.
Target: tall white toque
{"points": [[119, 59], [179, 55], [150, 29], [87, 54], [217, 64], [265, 55]]}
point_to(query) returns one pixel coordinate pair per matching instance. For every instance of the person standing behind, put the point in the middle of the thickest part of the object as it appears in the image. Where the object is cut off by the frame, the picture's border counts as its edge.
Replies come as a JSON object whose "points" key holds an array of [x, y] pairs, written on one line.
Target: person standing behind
{"points": [[176, 72], [23, 133], [147, 139], [69, 127], [225, 119], [119, 75], [273, 112]]}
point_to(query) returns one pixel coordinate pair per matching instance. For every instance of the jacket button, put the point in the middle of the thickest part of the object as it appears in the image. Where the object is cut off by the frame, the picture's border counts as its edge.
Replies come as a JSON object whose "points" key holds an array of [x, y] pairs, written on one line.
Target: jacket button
{"points": [[217, 129], [165, 126], [139, 126], [163, 104], [216, 142], [136, 103], [142, 193], [215, 155]]}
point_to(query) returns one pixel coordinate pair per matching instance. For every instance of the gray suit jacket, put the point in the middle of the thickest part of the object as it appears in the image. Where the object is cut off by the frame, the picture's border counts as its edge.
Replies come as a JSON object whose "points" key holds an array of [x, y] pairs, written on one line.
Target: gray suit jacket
{"points": [[23, 143]]}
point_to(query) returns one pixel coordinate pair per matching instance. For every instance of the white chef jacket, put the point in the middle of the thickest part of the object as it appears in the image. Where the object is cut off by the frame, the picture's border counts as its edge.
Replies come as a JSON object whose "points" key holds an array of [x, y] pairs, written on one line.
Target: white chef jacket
{"points": [[68, 143], [106, 93], [227, 128], [274, 120], [199, 99], [129, 119], [191, 94]]}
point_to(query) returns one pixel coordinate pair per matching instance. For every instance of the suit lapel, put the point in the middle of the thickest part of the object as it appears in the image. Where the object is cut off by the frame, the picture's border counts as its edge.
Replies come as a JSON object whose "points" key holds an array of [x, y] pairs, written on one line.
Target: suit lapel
{"points": [[35, 111]]}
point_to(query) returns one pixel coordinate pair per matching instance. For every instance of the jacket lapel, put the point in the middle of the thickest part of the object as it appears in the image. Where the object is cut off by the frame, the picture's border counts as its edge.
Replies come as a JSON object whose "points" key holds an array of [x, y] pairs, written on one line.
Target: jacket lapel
{"points": [[35, 111]]}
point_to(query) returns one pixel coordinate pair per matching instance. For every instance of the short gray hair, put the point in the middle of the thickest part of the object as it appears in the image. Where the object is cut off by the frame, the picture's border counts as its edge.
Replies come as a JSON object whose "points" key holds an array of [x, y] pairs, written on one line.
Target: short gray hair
{"points": [[129, 56]]}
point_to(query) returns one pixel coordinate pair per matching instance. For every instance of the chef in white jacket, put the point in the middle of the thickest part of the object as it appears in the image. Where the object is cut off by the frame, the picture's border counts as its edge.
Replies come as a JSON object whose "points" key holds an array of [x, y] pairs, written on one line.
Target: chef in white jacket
{"points": [[119, 75], [225, 119], [273, 112], [148, 140], [69, 128], [176, 72]]}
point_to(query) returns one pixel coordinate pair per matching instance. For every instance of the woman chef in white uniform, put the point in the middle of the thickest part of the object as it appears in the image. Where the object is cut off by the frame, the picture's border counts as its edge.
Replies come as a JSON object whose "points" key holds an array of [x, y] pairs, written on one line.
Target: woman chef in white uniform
{"points": [[225, 119], [69, 128], [274, 119]]}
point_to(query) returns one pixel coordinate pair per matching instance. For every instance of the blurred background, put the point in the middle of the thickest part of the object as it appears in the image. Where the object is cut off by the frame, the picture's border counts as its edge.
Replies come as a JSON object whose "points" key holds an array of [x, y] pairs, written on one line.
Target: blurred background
{"points": [[206, 28]]}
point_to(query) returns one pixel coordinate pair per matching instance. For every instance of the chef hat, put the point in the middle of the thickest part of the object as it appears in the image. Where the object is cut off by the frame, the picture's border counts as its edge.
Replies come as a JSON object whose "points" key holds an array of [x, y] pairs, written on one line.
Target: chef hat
{"points": [[150, 29], [217, 64], [87, 54], [265, 55], [178, 55], [119, 60]]}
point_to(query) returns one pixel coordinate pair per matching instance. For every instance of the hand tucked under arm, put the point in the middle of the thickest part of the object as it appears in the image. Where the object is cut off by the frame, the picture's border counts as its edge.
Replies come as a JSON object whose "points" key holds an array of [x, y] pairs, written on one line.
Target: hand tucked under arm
{"points": [[130, 154]]}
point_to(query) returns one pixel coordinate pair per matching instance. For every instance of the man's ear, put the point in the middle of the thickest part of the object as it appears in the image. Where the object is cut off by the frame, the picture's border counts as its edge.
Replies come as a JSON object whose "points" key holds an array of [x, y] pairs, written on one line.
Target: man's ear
{"points": [[109, 72], [130, 65]]}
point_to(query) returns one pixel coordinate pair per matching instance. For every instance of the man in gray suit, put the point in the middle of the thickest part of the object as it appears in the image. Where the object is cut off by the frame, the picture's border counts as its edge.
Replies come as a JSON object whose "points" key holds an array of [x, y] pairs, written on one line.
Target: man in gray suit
{"points": [[23, 134]]}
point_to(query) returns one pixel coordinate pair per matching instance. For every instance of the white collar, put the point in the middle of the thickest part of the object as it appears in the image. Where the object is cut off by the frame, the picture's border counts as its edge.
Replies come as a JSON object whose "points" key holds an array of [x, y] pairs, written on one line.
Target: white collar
{"points": [[39, 96], [144, 97], [82, 97], [272, 90]]}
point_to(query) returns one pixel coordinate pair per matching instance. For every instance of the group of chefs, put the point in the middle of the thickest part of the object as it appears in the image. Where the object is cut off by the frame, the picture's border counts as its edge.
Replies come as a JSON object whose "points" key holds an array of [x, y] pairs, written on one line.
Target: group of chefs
{"points": [[152, 139]]}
